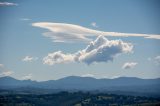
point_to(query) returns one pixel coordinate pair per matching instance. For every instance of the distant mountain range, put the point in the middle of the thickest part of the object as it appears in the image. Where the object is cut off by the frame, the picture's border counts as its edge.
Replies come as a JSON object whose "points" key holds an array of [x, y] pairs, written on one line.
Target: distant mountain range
{"points": [[75, 83]]}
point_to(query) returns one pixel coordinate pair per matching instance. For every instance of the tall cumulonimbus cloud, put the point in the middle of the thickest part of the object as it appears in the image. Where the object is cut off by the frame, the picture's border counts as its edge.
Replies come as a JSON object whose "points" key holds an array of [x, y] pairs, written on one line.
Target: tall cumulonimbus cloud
{"points": [[100, 50]]}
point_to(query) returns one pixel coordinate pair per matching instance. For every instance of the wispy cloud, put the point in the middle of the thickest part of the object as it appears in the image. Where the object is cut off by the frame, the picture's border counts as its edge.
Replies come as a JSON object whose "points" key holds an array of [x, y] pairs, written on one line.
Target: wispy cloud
{"points": [[1, 65], [29, 59], [29, 76], [87, 75], [149, 59], [129, 65], [114, 77], [93, 24], [6, 73], [25, 19], [62, 32], [157, 60], [100, 50], [8, 4]]}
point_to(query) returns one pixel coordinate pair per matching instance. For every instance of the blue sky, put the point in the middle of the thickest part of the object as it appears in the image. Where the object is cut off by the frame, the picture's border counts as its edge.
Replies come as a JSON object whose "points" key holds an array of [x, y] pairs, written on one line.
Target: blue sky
{"points": [[23, 45]]}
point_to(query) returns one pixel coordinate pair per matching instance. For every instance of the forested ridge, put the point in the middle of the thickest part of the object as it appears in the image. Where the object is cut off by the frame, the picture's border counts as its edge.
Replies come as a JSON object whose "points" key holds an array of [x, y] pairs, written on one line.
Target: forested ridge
{"points": [[76, 99]]}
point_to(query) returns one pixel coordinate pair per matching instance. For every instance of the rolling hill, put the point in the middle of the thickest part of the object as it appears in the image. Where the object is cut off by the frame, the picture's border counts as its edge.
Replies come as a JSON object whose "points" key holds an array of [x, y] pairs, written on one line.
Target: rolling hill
{"points": [[127, 85]]}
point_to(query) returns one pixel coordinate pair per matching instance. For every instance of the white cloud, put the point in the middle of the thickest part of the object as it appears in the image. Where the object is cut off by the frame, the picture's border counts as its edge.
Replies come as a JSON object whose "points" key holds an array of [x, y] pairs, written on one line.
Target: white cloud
{"points": [[129, 65], [62, 32], [29, 76], [29, 59], [114, 77], [100, 50], [87, 75], [6, 73], [149, 59], [103, 50], [94, 24], [1, 65], [65, 37], [7, 4], [25, 19], [157, 60], [57, 57]]}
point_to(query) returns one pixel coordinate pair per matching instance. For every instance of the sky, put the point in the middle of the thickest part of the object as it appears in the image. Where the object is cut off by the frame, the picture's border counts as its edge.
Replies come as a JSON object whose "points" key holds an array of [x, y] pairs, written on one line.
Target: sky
{"points": [[51, 39]]}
